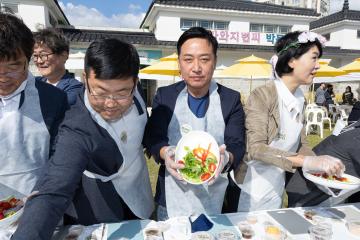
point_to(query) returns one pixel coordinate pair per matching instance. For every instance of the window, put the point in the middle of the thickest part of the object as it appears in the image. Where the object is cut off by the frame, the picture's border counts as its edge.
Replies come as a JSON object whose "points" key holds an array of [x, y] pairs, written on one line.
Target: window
{"points": [[269, 28], [284, 29], [10, 7], [205, 24], [358, 34], [256, 27], [52, 20], [210, 25], [186, 23], [221, 25]]}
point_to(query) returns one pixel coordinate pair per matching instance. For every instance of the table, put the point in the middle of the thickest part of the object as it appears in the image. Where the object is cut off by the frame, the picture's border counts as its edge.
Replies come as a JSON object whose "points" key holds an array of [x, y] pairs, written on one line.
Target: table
{"points": [[133, 229]]}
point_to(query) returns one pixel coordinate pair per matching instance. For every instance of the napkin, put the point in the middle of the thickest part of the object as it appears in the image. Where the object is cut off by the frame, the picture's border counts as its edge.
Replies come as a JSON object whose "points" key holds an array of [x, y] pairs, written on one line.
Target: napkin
{"points": [[202, 223]]}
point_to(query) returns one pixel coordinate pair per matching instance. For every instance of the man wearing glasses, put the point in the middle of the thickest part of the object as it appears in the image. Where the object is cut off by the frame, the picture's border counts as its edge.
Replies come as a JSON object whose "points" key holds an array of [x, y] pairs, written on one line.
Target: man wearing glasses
{"points": [[30, 111], [51, 50], [98, 172]]}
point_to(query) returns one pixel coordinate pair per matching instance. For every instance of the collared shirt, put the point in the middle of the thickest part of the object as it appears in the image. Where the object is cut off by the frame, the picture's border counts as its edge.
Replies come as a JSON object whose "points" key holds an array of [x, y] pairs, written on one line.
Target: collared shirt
{"points": [[294, 103], [11, 102]]}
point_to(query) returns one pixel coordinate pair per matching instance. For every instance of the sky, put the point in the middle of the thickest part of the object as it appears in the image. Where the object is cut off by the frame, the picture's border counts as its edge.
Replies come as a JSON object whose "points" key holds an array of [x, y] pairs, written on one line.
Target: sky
{"points": [[129, 13], [105, 13]]}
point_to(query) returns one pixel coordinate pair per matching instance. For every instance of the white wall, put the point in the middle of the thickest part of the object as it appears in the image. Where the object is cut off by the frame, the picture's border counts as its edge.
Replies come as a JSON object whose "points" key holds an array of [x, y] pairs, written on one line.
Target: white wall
{"points": [[168, 28], [33, 15]]}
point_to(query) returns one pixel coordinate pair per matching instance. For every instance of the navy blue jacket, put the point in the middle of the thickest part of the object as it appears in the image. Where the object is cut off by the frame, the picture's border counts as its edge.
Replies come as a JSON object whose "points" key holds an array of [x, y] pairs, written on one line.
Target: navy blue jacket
{"points": [[82, 144], [53, 104], [156, 134], [68, 84]]}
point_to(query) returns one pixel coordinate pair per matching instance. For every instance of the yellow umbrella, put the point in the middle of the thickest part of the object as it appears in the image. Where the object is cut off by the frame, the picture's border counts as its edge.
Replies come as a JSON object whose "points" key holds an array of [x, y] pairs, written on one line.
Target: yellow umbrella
{"points": [[327, 71], [251, 67], [352, 67], [166, 66]]}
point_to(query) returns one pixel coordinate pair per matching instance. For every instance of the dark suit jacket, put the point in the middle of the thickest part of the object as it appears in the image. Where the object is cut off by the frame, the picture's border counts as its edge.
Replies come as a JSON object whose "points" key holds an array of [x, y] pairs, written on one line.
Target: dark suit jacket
{"points": [[156, 134], [355, 112], [68, 84], [82, 145], [53, 104], [345, 146]]}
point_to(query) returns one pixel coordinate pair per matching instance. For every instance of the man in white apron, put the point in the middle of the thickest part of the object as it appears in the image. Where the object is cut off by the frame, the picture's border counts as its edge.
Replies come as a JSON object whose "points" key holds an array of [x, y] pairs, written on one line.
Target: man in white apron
{"points": [[30, 111], [98, 172], [196, 103]]}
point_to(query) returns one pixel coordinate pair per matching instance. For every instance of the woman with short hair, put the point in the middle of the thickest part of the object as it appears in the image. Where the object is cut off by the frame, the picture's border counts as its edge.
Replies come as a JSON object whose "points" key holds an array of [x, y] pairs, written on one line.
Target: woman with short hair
{"points": [[274, 123]]}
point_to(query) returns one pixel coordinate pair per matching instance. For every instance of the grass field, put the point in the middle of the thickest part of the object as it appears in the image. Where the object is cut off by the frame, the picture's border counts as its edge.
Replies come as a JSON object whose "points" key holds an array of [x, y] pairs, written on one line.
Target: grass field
{"points": [[313, 140]]}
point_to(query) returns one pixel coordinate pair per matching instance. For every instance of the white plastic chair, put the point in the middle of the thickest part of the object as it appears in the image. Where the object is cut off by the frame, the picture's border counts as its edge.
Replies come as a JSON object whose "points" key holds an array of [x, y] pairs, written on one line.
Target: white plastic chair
{"points": [[315, 118], [326, 116], [309, 107]]}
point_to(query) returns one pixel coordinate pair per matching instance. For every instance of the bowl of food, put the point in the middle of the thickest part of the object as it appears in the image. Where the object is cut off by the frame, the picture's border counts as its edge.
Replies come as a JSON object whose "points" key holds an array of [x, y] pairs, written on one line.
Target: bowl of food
{"points": [[198, 151], [11, 209]]}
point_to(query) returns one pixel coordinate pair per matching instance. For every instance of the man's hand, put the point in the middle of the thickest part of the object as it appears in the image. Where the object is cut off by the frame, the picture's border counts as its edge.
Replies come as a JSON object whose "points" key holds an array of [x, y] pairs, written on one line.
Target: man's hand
{"points": [[170, 164], [224, 159]]}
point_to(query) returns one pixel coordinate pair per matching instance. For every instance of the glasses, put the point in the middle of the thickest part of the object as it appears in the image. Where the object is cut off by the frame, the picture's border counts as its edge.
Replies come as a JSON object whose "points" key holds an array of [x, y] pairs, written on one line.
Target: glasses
{"points": [[42, 56], [14, 73], [117, 98]]}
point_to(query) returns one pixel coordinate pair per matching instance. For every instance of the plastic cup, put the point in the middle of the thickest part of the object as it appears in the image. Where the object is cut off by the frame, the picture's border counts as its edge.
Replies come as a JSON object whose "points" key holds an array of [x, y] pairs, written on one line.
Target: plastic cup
{"points": [[246, 230], [322, 231], [354, 227]]}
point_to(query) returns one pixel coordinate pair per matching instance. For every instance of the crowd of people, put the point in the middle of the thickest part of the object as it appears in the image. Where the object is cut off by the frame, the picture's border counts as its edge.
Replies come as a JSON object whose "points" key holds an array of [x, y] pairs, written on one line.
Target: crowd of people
{"points": [[77, 150]]}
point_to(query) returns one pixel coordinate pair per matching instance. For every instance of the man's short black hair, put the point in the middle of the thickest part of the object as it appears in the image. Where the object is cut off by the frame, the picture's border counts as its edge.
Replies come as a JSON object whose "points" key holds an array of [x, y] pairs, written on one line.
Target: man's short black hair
{"points": [[111, 58], [282, 65], [197, 32], [15, 38], [53, 39]]}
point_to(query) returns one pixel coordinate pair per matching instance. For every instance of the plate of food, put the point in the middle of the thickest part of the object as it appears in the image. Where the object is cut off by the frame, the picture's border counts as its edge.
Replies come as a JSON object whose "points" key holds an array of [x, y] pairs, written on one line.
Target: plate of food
{"points": [[11, 209], [346, 181], [199, 152]]}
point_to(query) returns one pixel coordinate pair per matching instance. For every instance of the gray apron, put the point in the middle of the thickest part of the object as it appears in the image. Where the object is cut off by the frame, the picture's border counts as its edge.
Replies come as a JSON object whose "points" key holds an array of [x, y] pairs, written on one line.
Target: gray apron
{"points": [[24, 141], [132, 181], [264, 183], [187, 199]]}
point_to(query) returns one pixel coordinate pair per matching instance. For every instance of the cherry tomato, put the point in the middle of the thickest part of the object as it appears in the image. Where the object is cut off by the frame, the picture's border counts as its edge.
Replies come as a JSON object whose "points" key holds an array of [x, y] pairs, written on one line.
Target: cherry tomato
{"points": [[6, 205], [205, 176], [2, 216], [212, 167]]}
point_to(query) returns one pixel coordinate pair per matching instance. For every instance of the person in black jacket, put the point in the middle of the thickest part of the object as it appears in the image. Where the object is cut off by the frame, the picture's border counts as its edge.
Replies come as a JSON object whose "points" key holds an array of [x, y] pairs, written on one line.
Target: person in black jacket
{"points": [[345, 146], [355, 113], [98, 172], [30, 111]]}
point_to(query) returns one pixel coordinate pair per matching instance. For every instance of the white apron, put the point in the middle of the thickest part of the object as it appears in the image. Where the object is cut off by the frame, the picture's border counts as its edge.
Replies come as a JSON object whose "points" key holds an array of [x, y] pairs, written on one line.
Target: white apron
{"points": [[132, 181], [24, 141], [264, 183], [187, 199]]}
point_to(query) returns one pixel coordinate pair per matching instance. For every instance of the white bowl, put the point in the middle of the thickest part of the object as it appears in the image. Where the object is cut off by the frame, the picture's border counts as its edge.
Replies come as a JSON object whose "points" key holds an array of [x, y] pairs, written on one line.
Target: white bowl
{"points": [[193, 140]]}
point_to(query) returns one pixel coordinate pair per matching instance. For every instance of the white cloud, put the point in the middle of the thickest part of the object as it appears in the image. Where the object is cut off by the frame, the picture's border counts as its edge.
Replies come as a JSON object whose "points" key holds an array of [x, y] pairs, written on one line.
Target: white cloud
{"points": [[80, 15], [336, 5], [134, 7]]}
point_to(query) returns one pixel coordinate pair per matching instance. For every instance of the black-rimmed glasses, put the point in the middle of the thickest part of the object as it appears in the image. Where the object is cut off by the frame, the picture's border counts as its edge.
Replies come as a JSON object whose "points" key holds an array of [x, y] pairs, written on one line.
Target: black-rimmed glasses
{"points": [[117, 98], [42, 56]]}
